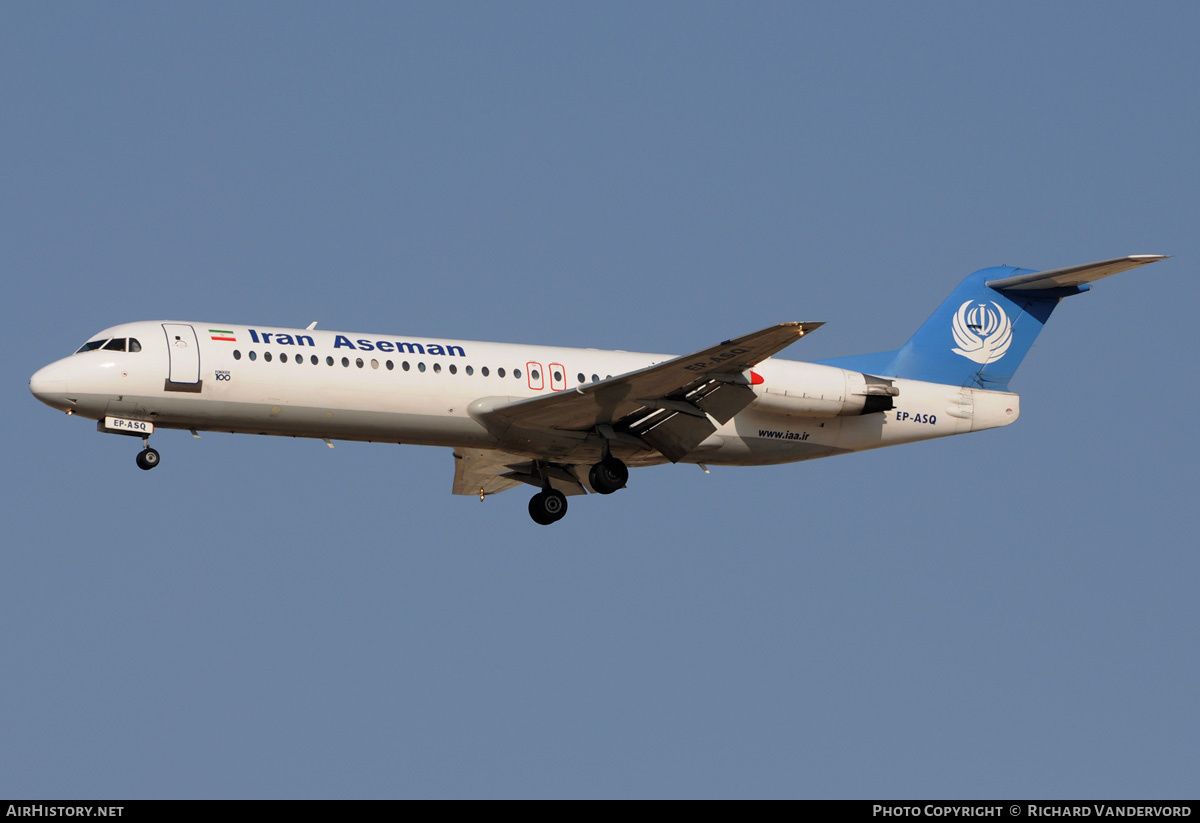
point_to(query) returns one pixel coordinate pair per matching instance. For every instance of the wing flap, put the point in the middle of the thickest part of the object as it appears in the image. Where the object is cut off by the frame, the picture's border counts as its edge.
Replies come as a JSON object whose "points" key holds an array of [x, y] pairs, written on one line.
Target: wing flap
{"points": [[564, 478], [491, 471], [678, 434], [481, 471], [725, 400], [1073, 275]]}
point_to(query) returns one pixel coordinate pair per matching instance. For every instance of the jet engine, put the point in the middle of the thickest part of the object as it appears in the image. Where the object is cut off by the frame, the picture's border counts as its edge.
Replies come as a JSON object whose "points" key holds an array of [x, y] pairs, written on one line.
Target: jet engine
{"points": [[825, 391]]}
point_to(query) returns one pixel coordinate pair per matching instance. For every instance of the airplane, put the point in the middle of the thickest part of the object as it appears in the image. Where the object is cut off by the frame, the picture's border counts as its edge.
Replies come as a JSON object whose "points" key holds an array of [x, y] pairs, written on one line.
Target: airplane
{"points": [[571, 421]]}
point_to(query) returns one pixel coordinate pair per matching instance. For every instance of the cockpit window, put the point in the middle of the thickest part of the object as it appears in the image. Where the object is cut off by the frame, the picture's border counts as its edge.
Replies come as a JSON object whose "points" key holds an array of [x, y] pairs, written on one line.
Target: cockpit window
{"points": [[111, 344]]}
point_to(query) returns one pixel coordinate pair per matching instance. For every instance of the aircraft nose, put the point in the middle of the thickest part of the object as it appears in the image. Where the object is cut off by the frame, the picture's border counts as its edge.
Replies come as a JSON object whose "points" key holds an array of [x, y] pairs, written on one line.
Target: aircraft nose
{"points": [[49, 384]]}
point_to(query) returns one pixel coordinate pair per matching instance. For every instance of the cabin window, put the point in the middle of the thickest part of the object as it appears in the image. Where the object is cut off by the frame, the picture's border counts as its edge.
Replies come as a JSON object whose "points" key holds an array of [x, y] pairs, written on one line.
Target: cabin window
{"points": [[374, 364], [315, 361], [595, 378], [237, 355], [329, 361], [535, 375], [358, 361], [557, 376], [267, 356], [500, 372], [470, 370], [437, 368], [580, 376], [300, 359], [517, 373], [390, 365], [404, 365], [453, 369], [345, 362], [283, 357], [253, 355], [484, 371]]}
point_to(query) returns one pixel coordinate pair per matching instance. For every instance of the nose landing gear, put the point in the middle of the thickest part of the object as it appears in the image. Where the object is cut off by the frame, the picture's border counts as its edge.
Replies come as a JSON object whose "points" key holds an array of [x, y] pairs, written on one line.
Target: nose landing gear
{"points": [[147, 458]]}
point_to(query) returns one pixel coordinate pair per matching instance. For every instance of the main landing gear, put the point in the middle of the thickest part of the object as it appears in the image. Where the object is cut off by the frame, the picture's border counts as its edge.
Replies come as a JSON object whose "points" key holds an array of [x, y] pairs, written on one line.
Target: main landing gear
{"points": [[147, 458], [547, 507], [608, 475], [550, 505]]}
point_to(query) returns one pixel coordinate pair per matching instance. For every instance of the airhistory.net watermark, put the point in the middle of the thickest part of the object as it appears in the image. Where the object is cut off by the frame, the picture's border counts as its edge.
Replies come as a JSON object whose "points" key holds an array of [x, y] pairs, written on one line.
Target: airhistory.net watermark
{"points": [[42, 810]]}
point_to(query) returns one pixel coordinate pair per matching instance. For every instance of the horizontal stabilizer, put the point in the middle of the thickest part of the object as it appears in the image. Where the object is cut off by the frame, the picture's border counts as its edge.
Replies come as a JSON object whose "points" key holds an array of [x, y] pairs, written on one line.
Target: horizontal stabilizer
{"points": [[1073, 275]]}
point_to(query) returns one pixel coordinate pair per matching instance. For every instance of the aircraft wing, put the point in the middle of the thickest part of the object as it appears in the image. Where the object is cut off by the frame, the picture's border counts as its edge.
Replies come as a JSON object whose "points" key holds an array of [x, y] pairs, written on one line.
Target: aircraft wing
{"points": [[1074, 275], [663, 407], [491, 471]]}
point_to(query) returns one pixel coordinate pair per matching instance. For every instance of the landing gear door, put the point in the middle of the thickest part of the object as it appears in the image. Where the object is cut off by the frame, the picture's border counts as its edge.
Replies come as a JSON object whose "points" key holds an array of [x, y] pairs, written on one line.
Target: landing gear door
{"points": [[184, 352]]}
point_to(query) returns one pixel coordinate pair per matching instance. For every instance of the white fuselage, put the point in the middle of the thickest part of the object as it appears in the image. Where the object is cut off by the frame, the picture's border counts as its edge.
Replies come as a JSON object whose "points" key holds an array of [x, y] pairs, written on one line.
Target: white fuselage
{"points": [[392, 388]]}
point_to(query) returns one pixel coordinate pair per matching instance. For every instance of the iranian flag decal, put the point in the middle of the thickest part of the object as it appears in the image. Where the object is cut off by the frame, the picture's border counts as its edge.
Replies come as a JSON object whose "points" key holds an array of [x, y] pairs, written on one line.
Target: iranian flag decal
{"points": [[222, 334]]}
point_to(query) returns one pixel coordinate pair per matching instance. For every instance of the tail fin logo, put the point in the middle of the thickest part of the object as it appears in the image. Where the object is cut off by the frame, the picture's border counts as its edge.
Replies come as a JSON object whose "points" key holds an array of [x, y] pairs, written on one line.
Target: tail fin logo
{"points": [[983, 332]]}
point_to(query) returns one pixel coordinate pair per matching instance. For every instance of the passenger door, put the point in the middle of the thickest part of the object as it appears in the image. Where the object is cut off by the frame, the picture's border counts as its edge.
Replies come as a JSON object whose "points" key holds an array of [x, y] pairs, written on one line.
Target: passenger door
{"points": [[184, 352]]}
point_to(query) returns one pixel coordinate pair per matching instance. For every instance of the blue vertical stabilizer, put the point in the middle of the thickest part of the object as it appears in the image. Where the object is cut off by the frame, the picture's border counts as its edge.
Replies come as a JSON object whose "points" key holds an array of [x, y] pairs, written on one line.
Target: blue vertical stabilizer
{"points": [[977, 337]]}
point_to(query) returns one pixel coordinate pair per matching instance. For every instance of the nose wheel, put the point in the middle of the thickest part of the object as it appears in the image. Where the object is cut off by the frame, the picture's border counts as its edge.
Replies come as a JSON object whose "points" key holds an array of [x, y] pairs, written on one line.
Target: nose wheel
{"points": [[147, 458]]}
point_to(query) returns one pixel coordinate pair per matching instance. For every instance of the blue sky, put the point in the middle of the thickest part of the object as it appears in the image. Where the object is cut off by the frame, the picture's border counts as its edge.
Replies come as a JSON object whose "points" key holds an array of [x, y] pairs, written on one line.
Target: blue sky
{"points": [[1007, 614]]}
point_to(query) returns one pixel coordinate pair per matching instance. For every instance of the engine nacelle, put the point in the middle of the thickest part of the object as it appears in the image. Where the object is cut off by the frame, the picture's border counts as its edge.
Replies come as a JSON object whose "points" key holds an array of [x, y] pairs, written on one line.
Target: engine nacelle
{"points": [[825, 391]]}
